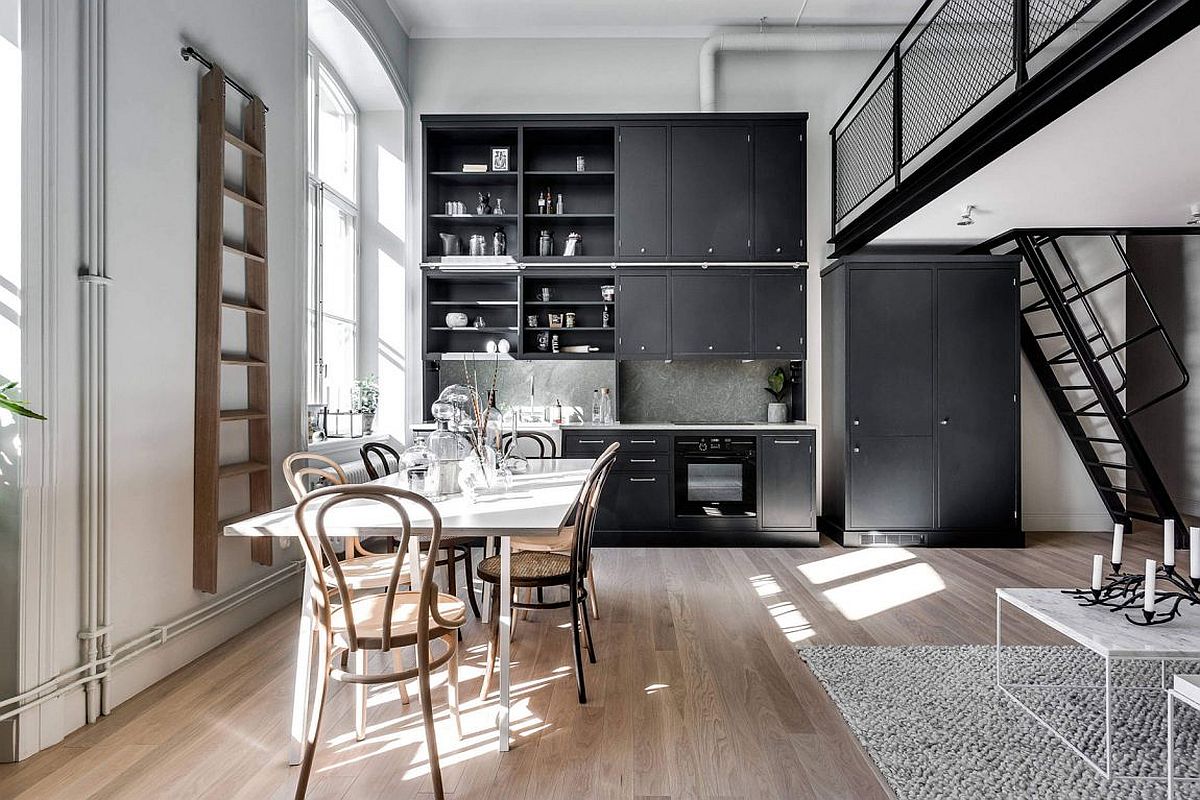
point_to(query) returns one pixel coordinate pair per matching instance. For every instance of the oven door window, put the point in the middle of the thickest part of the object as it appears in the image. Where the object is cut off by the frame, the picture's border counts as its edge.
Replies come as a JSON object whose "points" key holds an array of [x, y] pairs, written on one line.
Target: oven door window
{"points": [[719, 482]]}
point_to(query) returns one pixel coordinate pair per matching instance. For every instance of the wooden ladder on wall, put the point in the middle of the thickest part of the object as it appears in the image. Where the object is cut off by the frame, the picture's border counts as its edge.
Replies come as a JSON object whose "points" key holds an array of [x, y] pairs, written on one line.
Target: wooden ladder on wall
{"points": [[213, 252]]}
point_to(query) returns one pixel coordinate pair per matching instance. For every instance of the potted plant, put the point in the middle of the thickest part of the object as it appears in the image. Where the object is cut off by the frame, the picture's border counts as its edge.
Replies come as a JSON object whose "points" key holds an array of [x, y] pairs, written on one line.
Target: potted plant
{"points": [[364, 398], [778, 383], [12, 404]]}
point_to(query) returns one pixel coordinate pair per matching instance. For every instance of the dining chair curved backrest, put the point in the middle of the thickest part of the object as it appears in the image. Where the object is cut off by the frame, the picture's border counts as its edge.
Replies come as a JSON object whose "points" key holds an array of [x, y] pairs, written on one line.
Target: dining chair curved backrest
{"points": [[588, 507], [546, 446], [295, 472], [379, 452], [312, 516]]}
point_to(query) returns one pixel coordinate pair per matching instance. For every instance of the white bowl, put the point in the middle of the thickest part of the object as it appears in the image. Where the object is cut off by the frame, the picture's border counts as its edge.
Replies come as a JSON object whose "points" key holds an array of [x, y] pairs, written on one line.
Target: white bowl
{"points": [[456, 319]]}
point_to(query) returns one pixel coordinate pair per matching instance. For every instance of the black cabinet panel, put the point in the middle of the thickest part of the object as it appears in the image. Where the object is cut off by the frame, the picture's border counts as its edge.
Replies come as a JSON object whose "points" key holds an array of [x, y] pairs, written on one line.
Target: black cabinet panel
{"points": [[891, 352], [976, 398], [642, 191], [780, 314], [635, 502], [710, 191], [779, 192], [786, 480], [891, 482], [642, 314], [710, 313]]}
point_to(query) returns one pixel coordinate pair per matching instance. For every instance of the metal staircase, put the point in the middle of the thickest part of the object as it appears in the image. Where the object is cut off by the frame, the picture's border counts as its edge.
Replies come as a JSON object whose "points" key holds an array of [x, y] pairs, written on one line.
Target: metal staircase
{"points": [[1080, 358]]}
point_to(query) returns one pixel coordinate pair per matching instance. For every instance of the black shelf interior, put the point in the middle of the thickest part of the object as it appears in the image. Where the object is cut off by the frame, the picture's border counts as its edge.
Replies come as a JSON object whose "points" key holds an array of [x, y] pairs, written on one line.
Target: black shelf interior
{"points": [[492, 297], [579, 295], [597, 233], [555, 149], [446, 152]]}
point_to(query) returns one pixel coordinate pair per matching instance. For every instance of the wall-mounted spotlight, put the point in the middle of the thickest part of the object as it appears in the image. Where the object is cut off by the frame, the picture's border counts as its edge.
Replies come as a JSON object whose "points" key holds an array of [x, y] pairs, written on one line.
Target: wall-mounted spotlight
{"points": [[1194, 219], [965, 219]]}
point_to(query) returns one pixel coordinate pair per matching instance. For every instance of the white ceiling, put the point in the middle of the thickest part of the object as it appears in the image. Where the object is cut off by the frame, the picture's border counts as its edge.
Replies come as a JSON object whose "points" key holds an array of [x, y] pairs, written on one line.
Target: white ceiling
{"points": [[1125, 157], [632, 18]]}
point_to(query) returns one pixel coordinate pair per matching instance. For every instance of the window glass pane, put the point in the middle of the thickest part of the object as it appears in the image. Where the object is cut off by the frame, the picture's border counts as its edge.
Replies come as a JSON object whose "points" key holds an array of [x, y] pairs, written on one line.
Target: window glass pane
{"points": [[337, 130], [337, 261], [338, 343]]}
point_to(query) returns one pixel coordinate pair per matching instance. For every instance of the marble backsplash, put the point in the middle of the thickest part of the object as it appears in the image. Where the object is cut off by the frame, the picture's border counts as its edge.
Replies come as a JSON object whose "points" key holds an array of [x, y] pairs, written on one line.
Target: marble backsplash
{"points": [[695, 391], [570, 382]]}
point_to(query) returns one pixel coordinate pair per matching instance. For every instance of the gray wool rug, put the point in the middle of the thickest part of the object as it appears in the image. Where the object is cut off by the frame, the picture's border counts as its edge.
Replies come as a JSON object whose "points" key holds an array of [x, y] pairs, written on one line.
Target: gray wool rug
{"points": [[937, 729]]}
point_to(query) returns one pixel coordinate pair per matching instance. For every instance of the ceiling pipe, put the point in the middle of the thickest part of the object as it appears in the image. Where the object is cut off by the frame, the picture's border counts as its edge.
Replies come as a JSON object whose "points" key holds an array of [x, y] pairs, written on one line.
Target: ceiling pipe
{"points": [[788, 40]]}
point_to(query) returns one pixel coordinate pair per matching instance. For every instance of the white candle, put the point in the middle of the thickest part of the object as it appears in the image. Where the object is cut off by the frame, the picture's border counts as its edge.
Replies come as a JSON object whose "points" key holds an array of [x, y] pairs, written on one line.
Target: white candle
{"points": [[1097, 571], [1118, 542], [1148, 598], [1168, 543], [1194, 552]]}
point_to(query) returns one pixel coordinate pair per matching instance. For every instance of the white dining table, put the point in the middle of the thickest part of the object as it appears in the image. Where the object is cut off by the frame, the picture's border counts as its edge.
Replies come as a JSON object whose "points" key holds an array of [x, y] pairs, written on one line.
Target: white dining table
{"points": [[534, 505]]}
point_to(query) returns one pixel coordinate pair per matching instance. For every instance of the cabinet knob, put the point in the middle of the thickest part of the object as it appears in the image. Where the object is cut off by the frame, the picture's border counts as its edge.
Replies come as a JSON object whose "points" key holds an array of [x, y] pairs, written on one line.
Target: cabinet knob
{"points": [[856, 420], [643, 347], [710, 347], [946, 421], [710, 249], [778, 347], [856, 448], [643, 250], [778, 249]]}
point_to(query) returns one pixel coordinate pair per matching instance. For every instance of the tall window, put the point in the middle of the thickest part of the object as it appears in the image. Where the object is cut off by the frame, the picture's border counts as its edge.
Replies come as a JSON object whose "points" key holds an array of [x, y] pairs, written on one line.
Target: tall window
{"points": [[333, 235]]}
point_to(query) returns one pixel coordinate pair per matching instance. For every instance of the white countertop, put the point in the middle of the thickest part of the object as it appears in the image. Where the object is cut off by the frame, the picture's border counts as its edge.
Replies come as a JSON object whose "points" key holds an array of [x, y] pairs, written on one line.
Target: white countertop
{"points": [[689, 426]]}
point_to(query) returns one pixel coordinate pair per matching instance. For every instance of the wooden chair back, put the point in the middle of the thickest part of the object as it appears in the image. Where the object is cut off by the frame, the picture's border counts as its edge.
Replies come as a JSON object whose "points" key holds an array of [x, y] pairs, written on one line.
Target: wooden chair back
{"points": [[544, 441], [381, 452], [588, 506], [317, 544], [295, 475]]}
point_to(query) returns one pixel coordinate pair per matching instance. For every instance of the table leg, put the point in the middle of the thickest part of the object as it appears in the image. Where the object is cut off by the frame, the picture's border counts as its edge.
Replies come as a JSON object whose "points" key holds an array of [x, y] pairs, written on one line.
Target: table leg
{"points": [[489, 549], [505, 622], [304, 659]]}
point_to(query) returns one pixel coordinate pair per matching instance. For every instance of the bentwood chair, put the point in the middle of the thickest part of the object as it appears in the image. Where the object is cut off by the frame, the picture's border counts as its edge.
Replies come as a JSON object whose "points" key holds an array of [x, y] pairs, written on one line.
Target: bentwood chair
{"points": [[356, 623], [455, 549], [546, 446], [541, 570]]}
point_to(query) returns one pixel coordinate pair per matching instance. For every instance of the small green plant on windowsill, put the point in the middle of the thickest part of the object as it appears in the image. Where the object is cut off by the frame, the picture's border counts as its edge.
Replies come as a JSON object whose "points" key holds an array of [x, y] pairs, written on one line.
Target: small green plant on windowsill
{"points": [[364, 399], [12, 404], [778, 385]]}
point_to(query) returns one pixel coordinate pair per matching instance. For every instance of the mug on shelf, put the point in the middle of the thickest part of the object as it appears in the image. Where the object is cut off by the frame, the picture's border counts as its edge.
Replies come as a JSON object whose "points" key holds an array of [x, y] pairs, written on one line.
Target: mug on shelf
{"points": [[555, 320], [569, 319]]}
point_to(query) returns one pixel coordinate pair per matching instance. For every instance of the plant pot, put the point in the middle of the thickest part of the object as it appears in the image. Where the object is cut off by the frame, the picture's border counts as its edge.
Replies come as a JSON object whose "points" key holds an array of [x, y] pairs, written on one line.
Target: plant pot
{"points": [[368, 422], [777, 412]]}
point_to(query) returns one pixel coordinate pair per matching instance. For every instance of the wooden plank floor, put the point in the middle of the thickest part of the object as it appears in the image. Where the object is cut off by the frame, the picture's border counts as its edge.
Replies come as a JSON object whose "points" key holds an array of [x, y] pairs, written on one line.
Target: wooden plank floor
{"points": [[698, 692]]}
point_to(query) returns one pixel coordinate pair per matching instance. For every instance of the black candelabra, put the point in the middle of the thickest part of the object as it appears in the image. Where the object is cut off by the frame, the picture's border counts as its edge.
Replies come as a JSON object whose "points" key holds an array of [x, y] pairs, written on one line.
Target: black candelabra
{"points": [[1125, 591]]}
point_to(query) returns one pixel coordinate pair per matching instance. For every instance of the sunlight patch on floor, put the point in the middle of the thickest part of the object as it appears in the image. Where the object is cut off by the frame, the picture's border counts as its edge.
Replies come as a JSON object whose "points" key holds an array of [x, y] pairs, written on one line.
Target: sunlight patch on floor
{"points": [[795, 626], [655, 688], [856, 562], [765, 585], [870, 596]]}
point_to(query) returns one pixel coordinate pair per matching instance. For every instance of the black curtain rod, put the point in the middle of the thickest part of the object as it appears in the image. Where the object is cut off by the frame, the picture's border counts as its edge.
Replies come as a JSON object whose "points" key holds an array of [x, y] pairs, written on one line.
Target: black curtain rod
{"points": [[190, 52]]}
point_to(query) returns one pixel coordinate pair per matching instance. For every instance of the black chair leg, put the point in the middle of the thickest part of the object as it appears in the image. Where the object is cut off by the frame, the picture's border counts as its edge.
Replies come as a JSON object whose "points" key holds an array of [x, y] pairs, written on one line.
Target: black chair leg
{"points": [[471, 584], [578, 653], [587, 628]]}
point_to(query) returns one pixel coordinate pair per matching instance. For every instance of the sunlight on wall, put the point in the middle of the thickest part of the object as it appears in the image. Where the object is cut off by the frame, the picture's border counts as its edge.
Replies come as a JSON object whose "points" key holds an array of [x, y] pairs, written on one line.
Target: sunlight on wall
{"points": [[855, 562], [869, 596], [10, 211], [392, 323], [393, 177]]}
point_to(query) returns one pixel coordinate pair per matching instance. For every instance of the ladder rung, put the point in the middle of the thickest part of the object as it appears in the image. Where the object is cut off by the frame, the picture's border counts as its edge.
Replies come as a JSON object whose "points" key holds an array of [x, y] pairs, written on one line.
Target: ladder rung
{"points": [[1074, 413], [235, 519], [1100, 285], [1112, 351], [242, 144], [243, 361], [238, 305], [240, 253], [1124, 490], [1028, 281], [1143, 515], [1106, 464], [1089, 406], [240, 468], [1037, 305], [236, 414], [1049, 335], [1081, 388], [234, 194], [1100, 439]]}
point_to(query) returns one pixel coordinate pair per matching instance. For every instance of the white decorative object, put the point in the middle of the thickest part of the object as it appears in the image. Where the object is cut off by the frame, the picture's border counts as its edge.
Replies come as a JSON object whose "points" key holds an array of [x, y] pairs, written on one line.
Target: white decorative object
{"points": [[491, 345], [456, 319], [1097, 571], [504, 346], [1118, 542], [776, 412], [1149, 599], [1168, 543]]}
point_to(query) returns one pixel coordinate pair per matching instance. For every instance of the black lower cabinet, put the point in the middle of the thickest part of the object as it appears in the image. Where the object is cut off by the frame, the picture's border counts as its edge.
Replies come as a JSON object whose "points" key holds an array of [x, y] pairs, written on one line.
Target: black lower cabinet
{"points": [[786, 469], [920, 401], [635, 501]]}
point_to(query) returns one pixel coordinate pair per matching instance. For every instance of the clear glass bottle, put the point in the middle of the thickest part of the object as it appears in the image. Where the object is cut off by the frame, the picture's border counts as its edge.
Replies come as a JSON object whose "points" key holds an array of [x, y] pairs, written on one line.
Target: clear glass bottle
{"points": [[446, 452], [606, 406], [597, 407], [418, 461], [493, 426]]}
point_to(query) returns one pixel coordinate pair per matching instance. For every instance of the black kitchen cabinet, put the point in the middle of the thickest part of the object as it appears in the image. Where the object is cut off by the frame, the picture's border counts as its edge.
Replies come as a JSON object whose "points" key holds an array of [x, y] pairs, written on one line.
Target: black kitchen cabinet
{"points": [[635, 501], [920, 388], [779, 191], [710, 313], [786, 469], [642, 316], [710, 192], [780, 314], [642, 191], [976, 401]]}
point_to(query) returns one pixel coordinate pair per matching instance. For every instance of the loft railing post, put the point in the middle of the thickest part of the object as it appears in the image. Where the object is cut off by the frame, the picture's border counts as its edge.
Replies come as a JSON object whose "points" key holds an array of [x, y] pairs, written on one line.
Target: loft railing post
{"points": [[897, 114], [1020, 39], [833, 160]]}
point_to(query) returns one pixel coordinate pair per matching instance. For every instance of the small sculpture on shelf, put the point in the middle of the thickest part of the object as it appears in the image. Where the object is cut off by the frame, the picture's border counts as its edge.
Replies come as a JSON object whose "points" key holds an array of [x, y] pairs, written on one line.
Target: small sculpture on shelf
{"points": [[485, 204]]}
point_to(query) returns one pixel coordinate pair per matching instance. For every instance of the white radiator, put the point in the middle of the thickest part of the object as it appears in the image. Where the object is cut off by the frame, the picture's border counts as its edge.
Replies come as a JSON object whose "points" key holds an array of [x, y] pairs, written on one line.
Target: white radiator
{"points": [[356, 471]]}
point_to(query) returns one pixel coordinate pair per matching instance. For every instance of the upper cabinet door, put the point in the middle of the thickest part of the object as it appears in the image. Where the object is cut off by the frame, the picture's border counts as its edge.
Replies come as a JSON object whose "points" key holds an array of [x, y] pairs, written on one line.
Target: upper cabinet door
{"points": [[891, 355], [710, 313], [710, 192], [642, 191], [780, 314], [780, 192], [642, 316]]}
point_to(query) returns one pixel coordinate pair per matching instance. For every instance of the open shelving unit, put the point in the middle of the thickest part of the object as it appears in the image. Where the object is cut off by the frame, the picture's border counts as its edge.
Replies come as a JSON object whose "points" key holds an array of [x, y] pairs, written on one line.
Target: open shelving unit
{"points": [[577, 294], [446, 151], [494, 298]]}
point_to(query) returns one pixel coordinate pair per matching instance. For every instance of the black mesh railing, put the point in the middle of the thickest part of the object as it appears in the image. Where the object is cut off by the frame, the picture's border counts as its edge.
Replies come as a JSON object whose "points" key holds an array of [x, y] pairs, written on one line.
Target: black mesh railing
{"points": [[949, 59]]}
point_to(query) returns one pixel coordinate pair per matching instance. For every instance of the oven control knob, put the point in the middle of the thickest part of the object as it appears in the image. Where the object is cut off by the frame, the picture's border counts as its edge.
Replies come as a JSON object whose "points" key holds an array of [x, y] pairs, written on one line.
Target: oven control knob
{"points": [[702, 446]]}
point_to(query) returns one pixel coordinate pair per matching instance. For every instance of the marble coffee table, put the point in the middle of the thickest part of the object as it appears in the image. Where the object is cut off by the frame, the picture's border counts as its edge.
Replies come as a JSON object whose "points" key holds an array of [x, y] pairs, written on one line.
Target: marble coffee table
{"points": [[1111, 637]]}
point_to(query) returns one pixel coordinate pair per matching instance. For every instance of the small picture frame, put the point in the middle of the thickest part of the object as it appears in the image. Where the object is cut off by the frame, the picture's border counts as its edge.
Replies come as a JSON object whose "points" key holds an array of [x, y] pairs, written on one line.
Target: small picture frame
{"points": [[499, 159]]}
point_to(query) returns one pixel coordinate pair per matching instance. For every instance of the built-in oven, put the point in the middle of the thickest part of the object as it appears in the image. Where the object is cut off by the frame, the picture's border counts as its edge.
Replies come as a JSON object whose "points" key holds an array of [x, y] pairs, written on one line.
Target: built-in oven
{"points": [[715, 479]]}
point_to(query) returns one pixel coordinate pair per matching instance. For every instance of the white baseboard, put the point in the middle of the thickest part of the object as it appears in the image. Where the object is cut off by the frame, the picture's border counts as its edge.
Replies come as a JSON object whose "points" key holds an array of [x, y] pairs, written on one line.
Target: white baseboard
{"points": [[1056, 521]]}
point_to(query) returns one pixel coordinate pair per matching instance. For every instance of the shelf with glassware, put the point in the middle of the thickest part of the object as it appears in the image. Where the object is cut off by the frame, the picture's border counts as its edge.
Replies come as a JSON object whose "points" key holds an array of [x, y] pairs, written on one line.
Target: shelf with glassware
{"points": [[568, 317], [472, 200], [568, 192]]}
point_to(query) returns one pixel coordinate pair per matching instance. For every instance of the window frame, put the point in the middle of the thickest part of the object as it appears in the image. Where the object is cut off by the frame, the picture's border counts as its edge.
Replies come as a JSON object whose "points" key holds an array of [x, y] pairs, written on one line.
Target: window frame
{"points": [[318, 193]]}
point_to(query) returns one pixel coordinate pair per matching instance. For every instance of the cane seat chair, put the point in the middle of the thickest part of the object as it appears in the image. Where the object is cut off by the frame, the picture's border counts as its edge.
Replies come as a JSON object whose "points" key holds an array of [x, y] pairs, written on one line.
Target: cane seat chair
{"points": [[350, 624]]}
